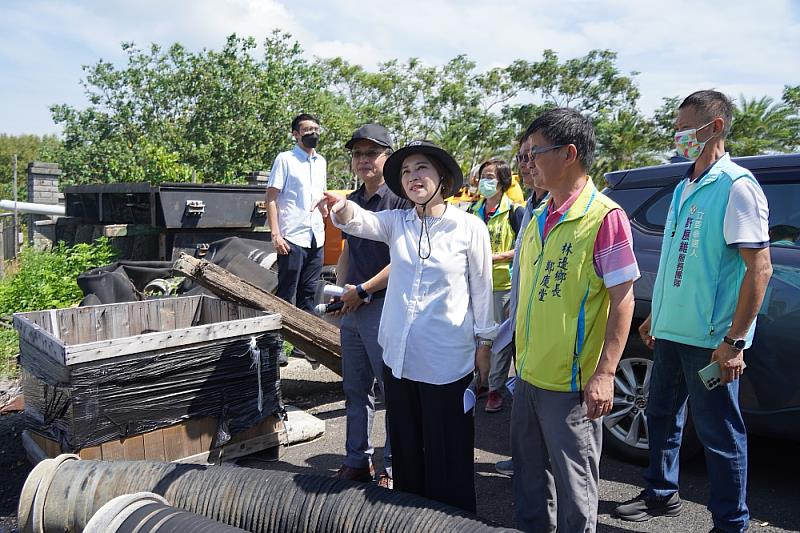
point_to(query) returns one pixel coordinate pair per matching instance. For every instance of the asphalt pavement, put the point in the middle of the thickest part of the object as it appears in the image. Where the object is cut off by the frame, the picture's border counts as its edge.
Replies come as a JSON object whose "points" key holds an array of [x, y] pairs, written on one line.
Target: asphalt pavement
{"points": [[774, 486]]}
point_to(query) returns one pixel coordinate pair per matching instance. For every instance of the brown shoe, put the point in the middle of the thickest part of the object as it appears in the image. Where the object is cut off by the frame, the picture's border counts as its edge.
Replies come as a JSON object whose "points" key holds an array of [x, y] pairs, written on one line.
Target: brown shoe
{"points": [[385, 481], [356, 474], [495, 402]]}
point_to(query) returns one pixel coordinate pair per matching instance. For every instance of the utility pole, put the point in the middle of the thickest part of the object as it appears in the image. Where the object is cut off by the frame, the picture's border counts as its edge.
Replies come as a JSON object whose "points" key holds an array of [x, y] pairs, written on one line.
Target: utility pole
{"points": [[16, 212]]}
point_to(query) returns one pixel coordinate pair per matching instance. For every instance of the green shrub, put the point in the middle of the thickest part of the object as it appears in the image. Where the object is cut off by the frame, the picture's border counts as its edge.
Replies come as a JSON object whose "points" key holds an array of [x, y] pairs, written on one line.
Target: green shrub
{"points": [[45, 279], [9, 346]]}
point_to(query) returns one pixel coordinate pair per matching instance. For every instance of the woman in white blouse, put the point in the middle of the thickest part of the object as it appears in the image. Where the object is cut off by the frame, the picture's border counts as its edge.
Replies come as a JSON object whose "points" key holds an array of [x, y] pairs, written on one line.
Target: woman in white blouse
{"points": [[437, 321]]}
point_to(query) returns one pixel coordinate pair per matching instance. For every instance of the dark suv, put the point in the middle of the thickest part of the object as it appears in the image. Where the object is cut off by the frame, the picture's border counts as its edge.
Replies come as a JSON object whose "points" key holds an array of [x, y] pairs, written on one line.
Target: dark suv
{"points": [[770, 389]]}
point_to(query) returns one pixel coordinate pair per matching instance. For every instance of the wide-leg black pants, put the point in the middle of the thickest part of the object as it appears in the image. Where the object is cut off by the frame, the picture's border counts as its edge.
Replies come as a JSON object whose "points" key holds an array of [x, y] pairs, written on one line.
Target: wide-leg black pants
{"points": [[432, 439]]}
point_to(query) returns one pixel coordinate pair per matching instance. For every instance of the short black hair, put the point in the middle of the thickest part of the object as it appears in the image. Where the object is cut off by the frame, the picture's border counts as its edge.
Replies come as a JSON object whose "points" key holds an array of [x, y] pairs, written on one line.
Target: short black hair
{"points": [[711, 104], [564, 125], [502, 170], [302, 117]]}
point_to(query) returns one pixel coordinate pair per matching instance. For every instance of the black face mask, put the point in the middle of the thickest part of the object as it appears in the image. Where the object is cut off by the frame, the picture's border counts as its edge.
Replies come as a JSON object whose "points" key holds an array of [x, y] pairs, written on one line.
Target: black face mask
{"points": [[310, 140]]}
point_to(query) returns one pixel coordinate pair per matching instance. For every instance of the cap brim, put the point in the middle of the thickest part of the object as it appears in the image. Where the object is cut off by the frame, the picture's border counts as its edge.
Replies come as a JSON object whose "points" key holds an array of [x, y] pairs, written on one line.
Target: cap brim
{"points": [[391, 170], [349, 144]]}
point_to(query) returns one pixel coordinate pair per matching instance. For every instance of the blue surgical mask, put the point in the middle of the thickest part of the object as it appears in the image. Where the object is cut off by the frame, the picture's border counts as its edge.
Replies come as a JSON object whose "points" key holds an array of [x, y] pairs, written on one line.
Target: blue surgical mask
{"points": [[487, 187]]}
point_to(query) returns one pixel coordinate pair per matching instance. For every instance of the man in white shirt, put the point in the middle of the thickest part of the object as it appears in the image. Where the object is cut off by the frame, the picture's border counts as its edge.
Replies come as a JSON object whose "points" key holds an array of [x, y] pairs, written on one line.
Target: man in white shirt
{"points": [[296, 182]]}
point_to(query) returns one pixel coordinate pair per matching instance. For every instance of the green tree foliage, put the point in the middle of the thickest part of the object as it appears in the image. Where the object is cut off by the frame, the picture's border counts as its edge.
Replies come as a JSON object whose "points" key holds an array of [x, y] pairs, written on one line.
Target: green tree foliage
{"points": [[27, 148], [172, 114], [761, 125], [216, 115]]}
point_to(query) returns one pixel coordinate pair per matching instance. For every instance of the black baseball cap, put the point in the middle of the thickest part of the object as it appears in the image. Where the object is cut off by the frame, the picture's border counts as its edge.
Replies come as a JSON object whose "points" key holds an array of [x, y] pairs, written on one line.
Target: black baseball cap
{"points": [[391, 170], [376, 133]]}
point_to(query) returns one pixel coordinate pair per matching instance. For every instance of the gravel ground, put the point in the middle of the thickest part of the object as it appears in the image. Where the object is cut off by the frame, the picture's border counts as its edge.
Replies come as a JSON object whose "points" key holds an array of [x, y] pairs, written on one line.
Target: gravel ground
{"points": [[774, 496]]}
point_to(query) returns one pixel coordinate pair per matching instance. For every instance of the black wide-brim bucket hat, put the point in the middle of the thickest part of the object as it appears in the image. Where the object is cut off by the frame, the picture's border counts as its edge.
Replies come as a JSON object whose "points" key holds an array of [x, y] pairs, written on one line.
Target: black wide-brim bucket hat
{"points": [[391, 169]]}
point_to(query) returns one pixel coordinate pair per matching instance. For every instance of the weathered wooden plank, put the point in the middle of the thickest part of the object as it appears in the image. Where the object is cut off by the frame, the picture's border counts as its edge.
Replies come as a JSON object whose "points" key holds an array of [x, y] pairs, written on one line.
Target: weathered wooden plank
{"points": [[133, 448], [102, 323], [208, 426], [184, 312], [43, 341], [82, 353], [67, 325], [43, 365], [85, 325], [112, 450], [120, 322], [302, 329], [166, 314], [154, 445], [93, 453], [268, 434], [174, 442], [150, 319]]}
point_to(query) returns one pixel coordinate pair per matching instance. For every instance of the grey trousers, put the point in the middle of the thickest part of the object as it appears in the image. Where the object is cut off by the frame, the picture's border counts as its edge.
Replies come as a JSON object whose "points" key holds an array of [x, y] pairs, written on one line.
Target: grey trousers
{"points": [[556, 452], [362, 377], [501, 362]]}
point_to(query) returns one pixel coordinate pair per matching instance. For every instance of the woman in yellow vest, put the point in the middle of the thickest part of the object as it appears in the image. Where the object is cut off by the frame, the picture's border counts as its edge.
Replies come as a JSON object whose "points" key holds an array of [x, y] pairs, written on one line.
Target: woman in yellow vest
{"points": [[503, 218]]}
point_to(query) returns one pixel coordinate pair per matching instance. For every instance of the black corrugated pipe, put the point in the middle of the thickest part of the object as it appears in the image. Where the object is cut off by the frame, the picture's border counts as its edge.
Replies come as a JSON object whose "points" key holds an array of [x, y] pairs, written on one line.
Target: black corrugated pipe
{"points": [[62, 494], [145, 512]]}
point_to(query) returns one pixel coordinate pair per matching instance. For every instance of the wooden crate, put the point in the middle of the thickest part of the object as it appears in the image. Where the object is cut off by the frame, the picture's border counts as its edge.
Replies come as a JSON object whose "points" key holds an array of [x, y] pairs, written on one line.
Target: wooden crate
{"points": [[188, 441], [59, 348]]}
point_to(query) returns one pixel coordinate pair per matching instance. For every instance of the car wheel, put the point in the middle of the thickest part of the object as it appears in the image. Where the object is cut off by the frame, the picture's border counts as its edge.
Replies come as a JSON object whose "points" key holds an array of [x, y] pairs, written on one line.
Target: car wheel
{"points": [[625, 427]]}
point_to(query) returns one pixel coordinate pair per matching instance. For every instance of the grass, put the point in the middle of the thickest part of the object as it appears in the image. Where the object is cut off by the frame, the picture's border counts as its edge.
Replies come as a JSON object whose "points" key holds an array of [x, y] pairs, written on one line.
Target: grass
{"points": [[9, 348]]}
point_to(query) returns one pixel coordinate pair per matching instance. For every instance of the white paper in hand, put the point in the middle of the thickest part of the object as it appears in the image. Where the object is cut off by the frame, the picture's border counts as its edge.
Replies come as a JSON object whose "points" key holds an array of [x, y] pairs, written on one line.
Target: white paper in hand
{"points": [[470, 397]]}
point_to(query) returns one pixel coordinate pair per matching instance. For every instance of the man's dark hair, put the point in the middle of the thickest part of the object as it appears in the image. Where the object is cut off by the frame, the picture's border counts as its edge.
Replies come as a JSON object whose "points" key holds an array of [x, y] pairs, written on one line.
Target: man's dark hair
{"points": [[711, 104], [302, 117], [501, 169], [566, 126]]}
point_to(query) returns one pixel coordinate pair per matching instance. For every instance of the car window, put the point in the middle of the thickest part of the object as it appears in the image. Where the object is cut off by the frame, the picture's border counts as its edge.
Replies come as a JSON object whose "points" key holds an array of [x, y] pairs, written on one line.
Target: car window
{"points": [[784, 216], [630, 199], [653, 214]]}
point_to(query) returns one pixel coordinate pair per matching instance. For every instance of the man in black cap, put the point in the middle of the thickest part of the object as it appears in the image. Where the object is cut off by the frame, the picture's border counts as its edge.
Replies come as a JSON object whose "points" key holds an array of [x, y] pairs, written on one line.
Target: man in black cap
{"points": [[363, 271]]}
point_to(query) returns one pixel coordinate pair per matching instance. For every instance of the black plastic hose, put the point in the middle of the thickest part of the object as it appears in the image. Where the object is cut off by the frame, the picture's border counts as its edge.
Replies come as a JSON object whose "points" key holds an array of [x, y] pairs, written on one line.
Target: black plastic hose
{"points": [[145, 512], [67, 493]]}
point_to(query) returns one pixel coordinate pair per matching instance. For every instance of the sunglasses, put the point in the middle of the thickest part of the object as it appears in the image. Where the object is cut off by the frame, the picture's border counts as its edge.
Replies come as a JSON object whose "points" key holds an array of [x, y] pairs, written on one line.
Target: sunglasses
{"points": [[530, 155]]}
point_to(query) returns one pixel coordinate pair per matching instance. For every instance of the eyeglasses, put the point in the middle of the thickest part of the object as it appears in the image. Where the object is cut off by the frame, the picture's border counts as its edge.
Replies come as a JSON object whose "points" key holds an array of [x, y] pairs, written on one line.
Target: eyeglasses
{"points": [[369, 154], [530, 156]]}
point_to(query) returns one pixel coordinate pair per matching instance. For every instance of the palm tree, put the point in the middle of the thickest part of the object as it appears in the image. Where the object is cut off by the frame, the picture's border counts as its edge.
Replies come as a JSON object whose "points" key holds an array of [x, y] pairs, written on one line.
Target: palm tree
{"points": [[760, 125]]}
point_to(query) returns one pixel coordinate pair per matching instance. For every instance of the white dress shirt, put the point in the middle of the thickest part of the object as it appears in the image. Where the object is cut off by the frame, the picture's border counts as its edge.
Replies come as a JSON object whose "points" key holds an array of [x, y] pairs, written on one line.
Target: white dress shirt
{"points": [[435, 307], [301, 179]]}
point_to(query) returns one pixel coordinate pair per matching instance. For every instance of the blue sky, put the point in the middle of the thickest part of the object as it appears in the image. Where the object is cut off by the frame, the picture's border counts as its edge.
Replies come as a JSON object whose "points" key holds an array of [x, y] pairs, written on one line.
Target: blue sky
{"points": [[737, 46]]}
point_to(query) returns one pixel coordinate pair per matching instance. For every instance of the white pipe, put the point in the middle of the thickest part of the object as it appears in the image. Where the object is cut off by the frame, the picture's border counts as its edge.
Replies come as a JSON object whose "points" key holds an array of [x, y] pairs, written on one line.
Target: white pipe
{"points": [[36, 209]]}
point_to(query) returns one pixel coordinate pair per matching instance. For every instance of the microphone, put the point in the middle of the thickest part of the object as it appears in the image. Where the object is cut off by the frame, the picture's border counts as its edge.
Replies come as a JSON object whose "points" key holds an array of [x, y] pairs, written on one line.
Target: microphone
{"points": [[322, 309]]}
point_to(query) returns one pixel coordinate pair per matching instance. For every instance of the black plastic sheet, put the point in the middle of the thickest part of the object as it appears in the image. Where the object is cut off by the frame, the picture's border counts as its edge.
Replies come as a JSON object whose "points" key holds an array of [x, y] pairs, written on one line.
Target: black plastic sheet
{"points": [[116, 398]]}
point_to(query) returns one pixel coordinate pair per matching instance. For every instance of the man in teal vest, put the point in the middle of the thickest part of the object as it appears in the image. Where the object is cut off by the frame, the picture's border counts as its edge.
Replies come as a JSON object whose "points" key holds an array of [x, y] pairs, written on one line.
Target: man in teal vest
{"points": [[577, 270], [712, 275]]}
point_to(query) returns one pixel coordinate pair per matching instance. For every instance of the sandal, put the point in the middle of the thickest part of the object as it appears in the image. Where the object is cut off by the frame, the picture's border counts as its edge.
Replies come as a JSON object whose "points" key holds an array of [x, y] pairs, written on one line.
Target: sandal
{"points": [[385, 481]]}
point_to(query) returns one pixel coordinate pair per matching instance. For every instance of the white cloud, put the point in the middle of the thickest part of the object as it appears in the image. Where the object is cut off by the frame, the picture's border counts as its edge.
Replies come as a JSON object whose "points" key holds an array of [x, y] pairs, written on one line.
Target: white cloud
{"points": [[738, 46]]}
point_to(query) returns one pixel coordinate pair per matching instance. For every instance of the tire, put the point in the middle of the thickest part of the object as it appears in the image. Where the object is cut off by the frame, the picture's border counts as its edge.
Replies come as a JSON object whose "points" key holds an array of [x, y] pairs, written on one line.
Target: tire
{"points": [[625, 427]]}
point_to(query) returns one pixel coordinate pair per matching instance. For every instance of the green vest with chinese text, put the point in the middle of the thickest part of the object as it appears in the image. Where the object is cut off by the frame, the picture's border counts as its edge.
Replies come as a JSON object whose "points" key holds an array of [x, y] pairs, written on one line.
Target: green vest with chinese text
{"points": [[502, 238], [563, 304]]}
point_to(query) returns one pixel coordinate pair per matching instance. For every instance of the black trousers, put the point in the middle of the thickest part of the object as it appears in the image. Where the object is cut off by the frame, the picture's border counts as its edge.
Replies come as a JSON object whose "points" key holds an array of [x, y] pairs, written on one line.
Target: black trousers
{"points": [[432, 439], [298, 274]]}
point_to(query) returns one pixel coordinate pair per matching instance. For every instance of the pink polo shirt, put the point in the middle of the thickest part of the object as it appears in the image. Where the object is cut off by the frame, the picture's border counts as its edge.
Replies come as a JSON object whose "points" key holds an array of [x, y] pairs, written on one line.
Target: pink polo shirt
{"points": [[613, 248]]}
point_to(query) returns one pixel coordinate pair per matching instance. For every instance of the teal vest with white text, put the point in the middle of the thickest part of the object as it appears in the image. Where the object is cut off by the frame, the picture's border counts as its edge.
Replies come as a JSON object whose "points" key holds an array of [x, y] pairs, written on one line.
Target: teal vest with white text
{"points": [[699, 275]]}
